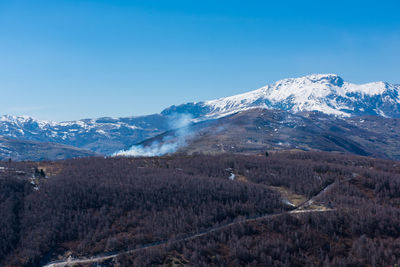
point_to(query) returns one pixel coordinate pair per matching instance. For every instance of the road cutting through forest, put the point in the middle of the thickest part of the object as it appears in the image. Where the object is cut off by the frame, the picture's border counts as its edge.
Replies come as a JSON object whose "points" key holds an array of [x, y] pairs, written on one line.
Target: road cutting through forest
{"points": [[301, 209]]}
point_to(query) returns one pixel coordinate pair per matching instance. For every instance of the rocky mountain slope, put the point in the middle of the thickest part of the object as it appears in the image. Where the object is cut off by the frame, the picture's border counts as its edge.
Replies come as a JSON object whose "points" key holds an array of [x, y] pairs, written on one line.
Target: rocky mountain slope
{"points": [[260, 130], [327, 93]]}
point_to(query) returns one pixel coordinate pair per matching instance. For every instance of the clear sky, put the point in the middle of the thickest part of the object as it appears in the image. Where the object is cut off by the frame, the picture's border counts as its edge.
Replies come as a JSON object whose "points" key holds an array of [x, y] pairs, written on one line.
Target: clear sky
{"points": [[66, 59]]}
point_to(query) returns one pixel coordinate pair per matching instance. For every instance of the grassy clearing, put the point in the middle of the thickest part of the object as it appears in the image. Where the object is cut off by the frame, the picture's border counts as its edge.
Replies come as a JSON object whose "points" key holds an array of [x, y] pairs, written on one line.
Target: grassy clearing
{"points": [[292, 197]]}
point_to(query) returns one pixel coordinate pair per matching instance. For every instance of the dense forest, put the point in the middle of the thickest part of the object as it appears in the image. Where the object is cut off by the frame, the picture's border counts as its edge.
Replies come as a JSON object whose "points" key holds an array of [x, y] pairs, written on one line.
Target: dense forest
{"points": [[85, 207]]}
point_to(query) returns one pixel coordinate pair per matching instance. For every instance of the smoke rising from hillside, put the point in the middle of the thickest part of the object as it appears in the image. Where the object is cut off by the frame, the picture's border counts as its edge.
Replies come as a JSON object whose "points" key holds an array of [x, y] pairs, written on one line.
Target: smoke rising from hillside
{"points": [[169, 144]]}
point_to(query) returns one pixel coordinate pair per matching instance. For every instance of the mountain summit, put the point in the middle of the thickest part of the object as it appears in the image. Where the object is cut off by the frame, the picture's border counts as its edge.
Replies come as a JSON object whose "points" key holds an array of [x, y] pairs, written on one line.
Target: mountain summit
{"points": [[327, 93]]}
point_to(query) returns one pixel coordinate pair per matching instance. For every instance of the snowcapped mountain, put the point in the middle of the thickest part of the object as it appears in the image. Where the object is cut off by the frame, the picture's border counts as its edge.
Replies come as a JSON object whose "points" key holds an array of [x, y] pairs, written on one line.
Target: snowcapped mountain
{"points": [[327, 93], [102, 135]]}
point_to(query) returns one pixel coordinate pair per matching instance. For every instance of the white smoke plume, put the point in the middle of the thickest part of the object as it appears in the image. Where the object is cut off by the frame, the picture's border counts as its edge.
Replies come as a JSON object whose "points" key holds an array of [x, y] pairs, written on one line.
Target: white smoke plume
{"points": [[169, 144]]}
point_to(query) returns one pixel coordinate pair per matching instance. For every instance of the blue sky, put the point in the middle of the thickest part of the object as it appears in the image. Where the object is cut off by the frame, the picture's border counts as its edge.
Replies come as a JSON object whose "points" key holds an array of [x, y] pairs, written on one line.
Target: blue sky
{"points": [[65, 60]]}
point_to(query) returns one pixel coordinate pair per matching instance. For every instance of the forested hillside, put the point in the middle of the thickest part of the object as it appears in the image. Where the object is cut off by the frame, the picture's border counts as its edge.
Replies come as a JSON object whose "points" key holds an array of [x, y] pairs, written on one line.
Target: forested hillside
{"points": [[94, 206]]}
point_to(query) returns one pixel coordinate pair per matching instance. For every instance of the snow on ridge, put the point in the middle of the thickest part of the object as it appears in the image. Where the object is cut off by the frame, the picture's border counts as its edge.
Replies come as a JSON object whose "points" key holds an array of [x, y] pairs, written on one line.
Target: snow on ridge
{"points": [[321, 85], [227, 103], [19, 126], [83, 123], [327, 93], [20, 120], [373, 88]]}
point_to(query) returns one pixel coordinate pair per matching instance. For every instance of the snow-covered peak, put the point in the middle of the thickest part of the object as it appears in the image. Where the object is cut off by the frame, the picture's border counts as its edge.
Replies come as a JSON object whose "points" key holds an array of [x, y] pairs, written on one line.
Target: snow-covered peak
{"points": [[323, 84], [103, 135], [21, 120], [12, 118], [314, 78], [327, 93]]}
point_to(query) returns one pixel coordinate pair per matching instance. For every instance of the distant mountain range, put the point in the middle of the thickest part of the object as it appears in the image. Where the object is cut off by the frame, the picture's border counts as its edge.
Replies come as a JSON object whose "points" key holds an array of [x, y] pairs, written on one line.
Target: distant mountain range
{"points": [[332, 98], [102, 135]]}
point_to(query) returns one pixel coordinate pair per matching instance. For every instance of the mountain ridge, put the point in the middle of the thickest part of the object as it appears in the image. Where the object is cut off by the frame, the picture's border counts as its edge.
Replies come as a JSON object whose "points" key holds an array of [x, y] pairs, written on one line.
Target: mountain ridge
{"points": [[259, 130], [326, 93], [102, 135]]}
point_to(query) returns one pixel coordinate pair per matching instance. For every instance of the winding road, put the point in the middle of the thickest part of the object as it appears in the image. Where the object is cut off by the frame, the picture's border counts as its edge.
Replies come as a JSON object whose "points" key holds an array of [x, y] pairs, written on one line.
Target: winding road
{"points": [[301, 209]]}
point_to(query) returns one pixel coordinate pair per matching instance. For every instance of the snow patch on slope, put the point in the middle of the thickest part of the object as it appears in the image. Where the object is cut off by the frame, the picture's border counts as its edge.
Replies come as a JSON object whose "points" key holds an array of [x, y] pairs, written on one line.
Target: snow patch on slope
{"points": [[327, 93]]}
